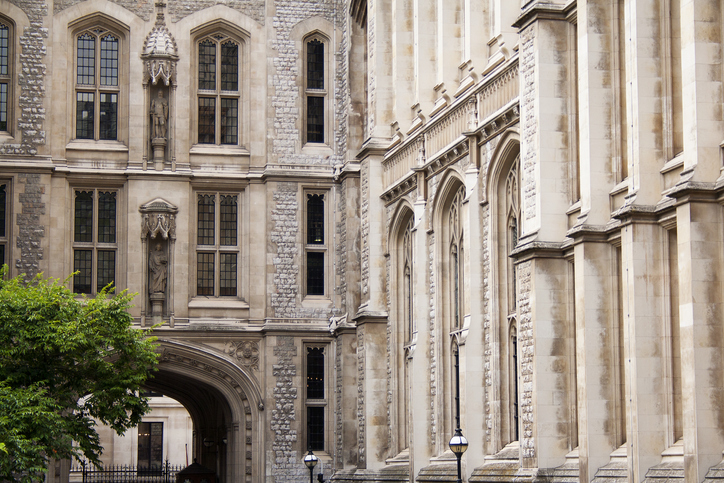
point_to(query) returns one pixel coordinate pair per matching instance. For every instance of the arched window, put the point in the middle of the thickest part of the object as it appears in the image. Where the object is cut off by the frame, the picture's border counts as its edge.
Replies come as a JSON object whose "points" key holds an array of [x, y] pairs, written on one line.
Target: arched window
{"points": [[456, 259], [407, 282], [97, 86], [316, 87], [512, 200], [218, 89]]}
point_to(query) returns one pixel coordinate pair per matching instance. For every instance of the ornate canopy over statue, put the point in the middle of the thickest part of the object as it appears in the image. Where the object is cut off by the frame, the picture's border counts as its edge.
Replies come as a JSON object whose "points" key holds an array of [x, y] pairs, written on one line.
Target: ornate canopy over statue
{"points": [[160, 52]]}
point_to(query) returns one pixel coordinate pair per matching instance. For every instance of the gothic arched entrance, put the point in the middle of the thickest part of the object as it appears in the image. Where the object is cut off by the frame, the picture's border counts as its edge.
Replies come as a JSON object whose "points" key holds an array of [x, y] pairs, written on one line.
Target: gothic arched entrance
{"points": [[224, 403]]}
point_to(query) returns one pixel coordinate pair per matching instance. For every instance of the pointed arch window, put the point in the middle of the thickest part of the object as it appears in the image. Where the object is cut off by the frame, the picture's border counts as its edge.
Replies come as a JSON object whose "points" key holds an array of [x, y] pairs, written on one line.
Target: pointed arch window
{"points": [[218, 89], [315, 89], [512, 198], [97, 88], [456, 259], [407, 282]]}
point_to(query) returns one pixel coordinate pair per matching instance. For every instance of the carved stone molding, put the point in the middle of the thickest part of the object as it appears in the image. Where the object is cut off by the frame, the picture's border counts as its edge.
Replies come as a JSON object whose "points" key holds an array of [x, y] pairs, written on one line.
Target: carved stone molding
{"points": [[160, 52], [158, 218]]}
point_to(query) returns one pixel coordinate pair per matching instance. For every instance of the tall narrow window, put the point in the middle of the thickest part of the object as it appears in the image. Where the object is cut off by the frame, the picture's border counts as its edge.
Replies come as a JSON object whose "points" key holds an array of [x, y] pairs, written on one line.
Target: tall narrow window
{"points": [[217, 245], [6, 70], [150, 448], [3, 223], [513, 215], [407, 274], [315, 90], [514, 416], [94, 240], [96, 85], [218, 90], [316, 246], [675, 79], [316, 401], [456, 258]]}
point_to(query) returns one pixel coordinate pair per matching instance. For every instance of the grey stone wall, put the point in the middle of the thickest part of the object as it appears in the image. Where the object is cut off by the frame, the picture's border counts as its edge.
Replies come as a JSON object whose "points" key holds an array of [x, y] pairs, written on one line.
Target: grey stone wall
{"points": [[285, 81], [529, 156], [31, 81], [361, 414], [143, 8], [526, 351], [365, 226], [30, 226], [287, 464], [284, 236]]}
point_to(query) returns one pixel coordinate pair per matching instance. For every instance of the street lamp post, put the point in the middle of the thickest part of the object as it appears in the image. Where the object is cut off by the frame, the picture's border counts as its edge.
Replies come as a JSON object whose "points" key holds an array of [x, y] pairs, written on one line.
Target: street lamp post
{"points": [[458, 443], [310, 459]]}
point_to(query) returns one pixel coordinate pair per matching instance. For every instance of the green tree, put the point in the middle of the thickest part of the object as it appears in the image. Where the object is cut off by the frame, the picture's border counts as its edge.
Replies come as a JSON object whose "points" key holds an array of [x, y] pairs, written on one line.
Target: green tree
{"points": [[65, 363]]}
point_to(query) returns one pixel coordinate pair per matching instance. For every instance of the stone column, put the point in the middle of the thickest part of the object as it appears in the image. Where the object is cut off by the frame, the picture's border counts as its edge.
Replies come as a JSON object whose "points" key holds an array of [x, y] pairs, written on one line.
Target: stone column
{"points": [[699, 232], [644, 302], [596, 338]]}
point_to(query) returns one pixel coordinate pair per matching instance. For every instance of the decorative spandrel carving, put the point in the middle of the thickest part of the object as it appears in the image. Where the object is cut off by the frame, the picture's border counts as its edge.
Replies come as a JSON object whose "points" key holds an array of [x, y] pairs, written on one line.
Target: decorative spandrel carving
{"points": [[245, 351]]}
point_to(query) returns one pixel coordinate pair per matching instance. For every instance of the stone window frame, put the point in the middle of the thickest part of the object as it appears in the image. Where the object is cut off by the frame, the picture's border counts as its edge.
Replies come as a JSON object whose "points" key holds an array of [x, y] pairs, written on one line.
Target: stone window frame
{"points": [[5, 230], [217, 249], [324, 403], [94, 23], [9, 78], [150, 423], [318, 248], [226, 29], [94, 245], [404, 330], [323, 93]]}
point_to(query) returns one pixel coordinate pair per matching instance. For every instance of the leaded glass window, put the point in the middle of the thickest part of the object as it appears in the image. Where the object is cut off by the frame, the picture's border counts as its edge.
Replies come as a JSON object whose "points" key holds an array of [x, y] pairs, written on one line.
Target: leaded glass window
{"points": [[218, 90], [94, 240], [315, 90], [5, 74], [316, 402], [97, 84], [217, 250], [316, 252]]}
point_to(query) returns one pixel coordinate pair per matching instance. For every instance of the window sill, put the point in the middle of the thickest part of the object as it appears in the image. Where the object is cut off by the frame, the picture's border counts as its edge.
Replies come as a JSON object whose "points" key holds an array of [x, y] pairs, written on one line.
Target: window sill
{"points": [[90, 145], [316, 301], [218, 150], [214, 303], [6, 137], [317, 148]]}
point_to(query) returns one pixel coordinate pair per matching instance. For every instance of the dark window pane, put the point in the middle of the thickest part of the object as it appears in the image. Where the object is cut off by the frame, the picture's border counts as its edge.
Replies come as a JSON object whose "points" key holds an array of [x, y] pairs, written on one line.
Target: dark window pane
{"points": [[315, 273], [315, 219], [315, 119], [227, 277], [205, 274], [86, 60], [2, 254], [83, 216], [229, 66], [228, 220], [315, 65], [315, 373], [84, 115], [3, 210], [109, 116], [150, 448], [106, 268], [207, 65], [207, 120], [83, 264], [315, 428], [229, 121], [206, 219], [3, 106], [107, 217], [4, 49], [109, 61]]}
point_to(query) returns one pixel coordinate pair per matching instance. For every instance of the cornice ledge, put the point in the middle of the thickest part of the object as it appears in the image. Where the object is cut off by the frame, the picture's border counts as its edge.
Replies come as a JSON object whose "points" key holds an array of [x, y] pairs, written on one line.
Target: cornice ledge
{"points": [[589, 233], [640, 213], [538, 249], [374, 147], [696, 190], [365, 316], [543, 11]]}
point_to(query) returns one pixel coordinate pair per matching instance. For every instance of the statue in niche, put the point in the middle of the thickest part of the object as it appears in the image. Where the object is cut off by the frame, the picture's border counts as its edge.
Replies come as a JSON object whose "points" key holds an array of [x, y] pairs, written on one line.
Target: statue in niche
{"points": [[159, 114], [158, 267]]}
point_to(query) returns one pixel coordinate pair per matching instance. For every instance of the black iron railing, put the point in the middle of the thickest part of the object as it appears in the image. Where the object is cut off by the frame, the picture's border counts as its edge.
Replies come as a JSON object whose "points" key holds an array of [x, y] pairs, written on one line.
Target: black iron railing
{"points": [[124, 474]]}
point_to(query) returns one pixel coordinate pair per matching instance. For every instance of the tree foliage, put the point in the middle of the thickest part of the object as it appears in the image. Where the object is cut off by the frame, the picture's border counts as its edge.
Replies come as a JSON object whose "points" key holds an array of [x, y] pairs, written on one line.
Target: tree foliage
{"points": [[65, 363]]}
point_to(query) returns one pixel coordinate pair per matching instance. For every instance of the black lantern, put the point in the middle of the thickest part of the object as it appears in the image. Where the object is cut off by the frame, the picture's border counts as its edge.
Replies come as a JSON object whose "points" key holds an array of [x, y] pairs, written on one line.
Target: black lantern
{"points": [[458, 445], [310, 459]]}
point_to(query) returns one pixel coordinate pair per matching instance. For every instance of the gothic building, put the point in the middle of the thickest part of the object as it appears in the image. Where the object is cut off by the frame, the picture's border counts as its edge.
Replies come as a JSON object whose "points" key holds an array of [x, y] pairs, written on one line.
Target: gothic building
{"points": [[345, 213]]}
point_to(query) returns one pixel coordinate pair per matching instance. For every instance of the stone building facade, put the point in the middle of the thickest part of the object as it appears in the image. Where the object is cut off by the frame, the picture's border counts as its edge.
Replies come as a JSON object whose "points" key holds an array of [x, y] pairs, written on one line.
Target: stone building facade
{"points": [[333, 207]]}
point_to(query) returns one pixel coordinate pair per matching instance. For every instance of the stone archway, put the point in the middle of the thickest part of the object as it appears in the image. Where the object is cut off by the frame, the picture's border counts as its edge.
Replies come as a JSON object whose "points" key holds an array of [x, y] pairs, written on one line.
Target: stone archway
{"points": [[224, 402]]}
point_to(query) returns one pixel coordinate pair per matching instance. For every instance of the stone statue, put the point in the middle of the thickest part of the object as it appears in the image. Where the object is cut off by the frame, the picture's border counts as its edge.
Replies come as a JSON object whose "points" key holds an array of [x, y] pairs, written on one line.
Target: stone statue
{"points": [[158, 266], [159, 113]]}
